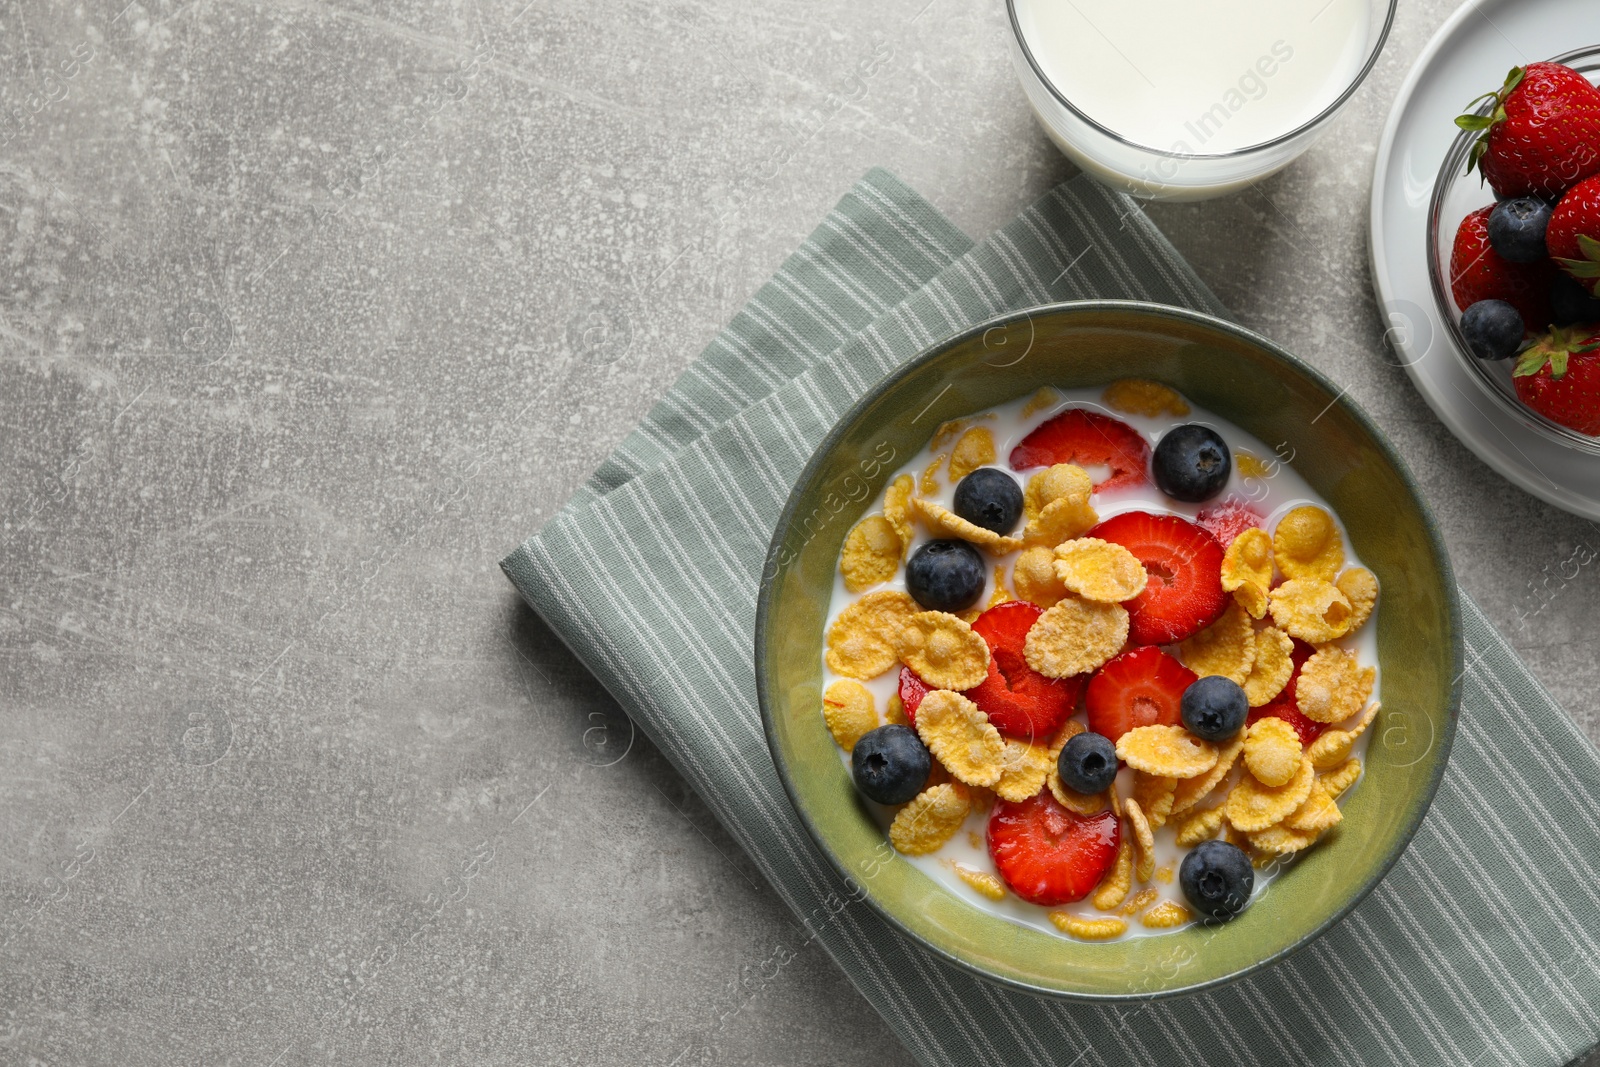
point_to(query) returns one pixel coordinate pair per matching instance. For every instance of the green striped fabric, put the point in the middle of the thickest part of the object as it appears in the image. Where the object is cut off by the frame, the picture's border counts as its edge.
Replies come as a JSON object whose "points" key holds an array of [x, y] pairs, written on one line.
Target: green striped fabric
{"points": [[1480, 947]]}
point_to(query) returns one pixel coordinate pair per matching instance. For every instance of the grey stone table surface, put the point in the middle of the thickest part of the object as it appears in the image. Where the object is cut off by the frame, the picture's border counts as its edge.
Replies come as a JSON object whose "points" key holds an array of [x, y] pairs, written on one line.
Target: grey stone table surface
{"points": [[287, 774]]}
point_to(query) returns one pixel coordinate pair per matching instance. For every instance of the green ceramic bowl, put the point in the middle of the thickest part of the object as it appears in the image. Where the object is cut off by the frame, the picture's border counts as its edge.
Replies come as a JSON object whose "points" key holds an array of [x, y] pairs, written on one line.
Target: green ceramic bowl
{"points": [[1269, 393]]}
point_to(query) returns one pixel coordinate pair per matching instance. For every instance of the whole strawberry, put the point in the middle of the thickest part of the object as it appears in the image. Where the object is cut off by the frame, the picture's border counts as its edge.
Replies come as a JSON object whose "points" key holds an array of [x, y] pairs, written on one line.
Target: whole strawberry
{"points": [[1478, 272], [1542, 133], [1559, 377], [1573, 236]]}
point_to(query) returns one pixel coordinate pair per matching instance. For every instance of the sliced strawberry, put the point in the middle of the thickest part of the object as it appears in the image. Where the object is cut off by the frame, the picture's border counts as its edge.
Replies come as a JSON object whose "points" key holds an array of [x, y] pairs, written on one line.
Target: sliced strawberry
{"points": [[912, 690], [1088, 439], [1141, 687], [1478, 272], [1228, 520], [1183, 594], [1018, 699], [1284, 706], [1049, 855]]}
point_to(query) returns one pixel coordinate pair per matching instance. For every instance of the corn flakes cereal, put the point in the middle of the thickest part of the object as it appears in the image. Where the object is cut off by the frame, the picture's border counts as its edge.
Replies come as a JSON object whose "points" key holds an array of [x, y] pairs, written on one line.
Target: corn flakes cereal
{"points": [[1023, 769], [1316, 814], [1333, 686], [1141, 396], [1311, 609], [1113, 889], [1236, 838], [871, 554], [1341, 777], [1192, 791], [1144, 860], [1066, 732], [1198, 826], [1251, 465], [942, 520], [1307, 544], [1247, 570], [1164, 874], [986, 884], [894, 712], [897, 508], [848, 710], [1064, 481], [1154, 794], [1034, 575], [1074, 801], [999, 596], [1168, 751], [1046, 397], [974, 450], [979, 798], [1100, 570], [861, 641], [1273, 668], [1280, 840], [1167, 914], [1334, 746], [1075, 636], [929, 482], [1253, 806], [1086, 929], [1140, 901], [960, 737], [1360, 587], [1272, 751], [931, 819], [947, 432], [945, 651], [1227, 647], [1061, 520]]}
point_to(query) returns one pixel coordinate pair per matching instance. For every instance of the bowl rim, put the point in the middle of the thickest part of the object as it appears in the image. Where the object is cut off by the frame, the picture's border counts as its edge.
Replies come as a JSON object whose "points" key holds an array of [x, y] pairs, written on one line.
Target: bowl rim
{"points": [[1312, 123], [1159, 311], [1478, 370]]}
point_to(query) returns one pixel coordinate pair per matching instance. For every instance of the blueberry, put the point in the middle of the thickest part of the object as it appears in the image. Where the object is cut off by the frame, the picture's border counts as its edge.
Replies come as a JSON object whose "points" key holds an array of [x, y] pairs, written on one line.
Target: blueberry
{"points": [[1217, 878], [890, 764], [1493, 329], [1516, 229], [1088, 763], [1571, 303], [1192, 463], [1214, 708], [990, 498], [946, 575]]}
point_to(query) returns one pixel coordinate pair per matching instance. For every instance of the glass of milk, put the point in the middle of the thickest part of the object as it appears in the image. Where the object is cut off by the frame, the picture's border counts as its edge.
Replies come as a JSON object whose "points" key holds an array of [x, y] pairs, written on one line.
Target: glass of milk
{"points": [[1188, 99]]}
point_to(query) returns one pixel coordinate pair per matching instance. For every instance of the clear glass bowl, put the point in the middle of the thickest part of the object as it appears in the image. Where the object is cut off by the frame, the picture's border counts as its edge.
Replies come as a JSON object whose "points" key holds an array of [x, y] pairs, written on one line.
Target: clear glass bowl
{"points": [[1456, 195], [1153, 173]]}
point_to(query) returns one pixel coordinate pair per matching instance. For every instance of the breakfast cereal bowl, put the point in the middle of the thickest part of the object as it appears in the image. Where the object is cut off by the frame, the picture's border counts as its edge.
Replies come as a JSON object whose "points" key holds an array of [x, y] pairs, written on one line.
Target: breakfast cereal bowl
{"points": [[1322, 446]]}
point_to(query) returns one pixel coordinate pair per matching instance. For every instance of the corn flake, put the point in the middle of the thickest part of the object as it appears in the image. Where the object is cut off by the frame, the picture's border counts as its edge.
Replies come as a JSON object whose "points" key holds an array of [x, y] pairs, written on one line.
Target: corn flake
{"points": [[1334, 746], [1086, 929], [1251, 465], [1113, 889], [1360, 587], [1100, 570], [1064, 733], [1139, 901], [1316, 814], [1168, 751], [1141, 396], [1247, 570], [974, 450], [1064, 481], [944, 650], [894, 712], [1307, 544], [1227, 647], [1273, 666], [1023, 769], [929, 482], [1046, 397], [1144, 860], [999, 596], [1167, 914], [1280, 840], [1341, 777], [861, 641], [1272, 751], [1198, 826], [1191, 791], [897, 508], [848, 710], [1074, 801], [947, 432], [871, 554], [1253, 806], [986, 884], [1061, 520], [960, 737], [1075, 636], [941, 519], [1034, 575], [1154, 794], [1311, 609], [1333, 686], [931, 819]]}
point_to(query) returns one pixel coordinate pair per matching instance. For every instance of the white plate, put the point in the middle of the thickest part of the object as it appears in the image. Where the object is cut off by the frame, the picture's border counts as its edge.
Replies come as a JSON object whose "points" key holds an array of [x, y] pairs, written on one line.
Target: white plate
{"points": [[1467, 57]]}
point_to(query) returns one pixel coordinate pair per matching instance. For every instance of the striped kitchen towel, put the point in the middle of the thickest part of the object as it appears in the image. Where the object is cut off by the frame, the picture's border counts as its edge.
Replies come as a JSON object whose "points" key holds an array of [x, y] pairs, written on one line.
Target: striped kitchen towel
{"points": [[1481, 945]]}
